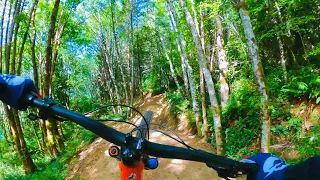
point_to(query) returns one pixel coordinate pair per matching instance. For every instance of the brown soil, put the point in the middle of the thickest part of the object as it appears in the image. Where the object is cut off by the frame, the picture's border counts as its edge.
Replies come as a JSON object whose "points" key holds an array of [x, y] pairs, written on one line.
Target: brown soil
{"points": [[95, 162]]}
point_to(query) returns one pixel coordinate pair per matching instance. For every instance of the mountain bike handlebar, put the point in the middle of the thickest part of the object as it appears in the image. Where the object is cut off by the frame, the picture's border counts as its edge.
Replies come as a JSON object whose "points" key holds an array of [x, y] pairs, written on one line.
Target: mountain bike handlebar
{"points": [[225, 167]]}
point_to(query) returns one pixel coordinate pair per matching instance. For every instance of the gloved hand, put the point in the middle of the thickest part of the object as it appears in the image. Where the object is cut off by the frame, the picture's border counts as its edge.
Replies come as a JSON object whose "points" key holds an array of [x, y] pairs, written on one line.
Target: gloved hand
{"points": [[13, 90], [270, 166]]}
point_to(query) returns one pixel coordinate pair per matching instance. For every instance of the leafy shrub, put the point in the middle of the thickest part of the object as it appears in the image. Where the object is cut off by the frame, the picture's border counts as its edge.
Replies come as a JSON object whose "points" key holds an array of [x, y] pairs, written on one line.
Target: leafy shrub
{"points": [[305, 84], [177, 102], [241, 117]]}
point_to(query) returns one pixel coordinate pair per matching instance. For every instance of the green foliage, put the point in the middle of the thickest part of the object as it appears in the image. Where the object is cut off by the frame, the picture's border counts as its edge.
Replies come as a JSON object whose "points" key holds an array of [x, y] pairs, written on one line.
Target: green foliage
{"points": [[241, 118], [178, 103], [58, 169], [153, 83], [305, 84]]}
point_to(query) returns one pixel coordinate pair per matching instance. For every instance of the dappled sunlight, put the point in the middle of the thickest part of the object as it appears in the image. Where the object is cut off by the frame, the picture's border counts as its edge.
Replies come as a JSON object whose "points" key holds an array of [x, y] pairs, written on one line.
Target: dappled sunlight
{"points": [[85, 153], [176, 166], [154, 135]]}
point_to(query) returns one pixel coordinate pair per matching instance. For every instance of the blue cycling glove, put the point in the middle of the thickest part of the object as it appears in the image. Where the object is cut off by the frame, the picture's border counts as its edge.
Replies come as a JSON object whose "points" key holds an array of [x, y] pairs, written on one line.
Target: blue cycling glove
{"points": [[13, 90], [270, 166]]}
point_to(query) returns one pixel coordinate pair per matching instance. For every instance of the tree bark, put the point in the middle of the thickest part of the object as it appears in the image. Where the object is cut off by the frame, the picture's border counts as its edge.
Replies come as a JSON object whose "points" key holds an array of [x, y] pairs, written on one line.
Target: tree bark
{"points": [[195, 19], [180, 42], [173, 74], [28, 165], [124, 83], [15, 38], [208, 78], [223, 64], [1, 32], [31, 16], [8, 42], [203, 105], [202, 86], [259, 75], [281, 48], [132, 58], [47, 83], [33, 47]]}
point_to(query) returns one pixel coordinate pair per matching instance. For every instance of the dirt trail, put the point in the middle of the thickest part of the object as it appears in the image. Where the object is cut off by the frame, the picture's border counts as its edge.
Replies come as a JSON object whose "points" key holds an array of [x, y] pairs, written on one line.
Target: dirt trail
{"points": [[95, 162]]}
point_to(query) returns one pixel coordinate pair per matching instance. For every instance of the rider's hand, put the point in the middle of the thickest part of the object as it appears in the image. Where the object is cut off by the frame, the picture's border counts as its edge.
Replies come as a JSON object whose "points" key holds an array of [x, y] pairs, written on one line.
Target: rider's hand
{"points": [[13, 90], [270, 166]]}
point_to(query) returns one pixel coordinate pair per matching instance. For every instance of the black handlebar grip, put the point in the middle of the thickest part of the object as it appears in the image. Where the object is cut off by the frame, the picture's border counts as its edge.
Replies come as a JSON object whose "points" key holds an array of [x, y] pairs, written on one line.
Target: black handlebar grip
{"points": [[252, 174]]}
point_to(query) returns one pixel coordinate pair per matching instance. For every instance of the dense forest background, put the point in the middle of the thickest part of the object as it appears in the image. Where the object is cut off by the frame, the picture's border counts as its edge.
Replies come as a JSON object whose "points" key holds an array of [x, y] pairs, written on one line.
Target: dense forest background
{"points": [[237, 68]]}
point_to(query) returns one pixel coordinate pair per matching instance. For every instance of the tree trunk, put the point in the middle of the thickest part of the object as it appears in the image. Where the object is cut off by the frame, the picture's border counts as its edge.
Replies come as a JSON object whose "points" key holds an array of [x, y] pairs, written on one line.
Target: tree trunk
{"points": [[204, 107], [33, 47], [283, 58], [8, 42], [202, 32], [202, 86], [195, 19], [281, 48], [207, 75], [47, 83], [113, 80], [124, 83], [30, 20], [1, 32], [223, 64], [180, 42], [132, 59], [259, 76], [15, 38], [173, 74], [36, 134], [28, 165]]}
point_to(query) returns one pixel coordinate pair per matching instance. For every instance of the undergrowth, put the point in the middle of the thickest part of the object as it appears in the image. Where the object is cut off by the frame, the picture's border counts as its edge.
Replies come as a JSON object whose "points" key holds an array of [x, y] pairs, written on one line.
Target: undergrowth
{"points": [[48, 168]]}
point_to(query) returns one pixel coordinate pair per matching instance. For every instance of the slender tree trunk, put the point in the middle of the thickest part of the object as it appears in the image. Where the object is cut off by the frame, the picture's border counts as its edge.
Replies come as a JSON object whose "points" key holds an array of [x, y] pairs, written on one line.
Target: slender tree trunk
{"points": [[29, 166], [281, 48], [202, 86], [33, 47], [204, 107], [259, 75], [1, 32], [179, 41], [113, 80], [132, 59], [173, 74], [47, 83], [8, 42], [283, 58], [15, 38], [202, 31], [12, 115], [195, 19], [37, 136], [207, 75], [124, 83], [212, 59], [223, 64]]}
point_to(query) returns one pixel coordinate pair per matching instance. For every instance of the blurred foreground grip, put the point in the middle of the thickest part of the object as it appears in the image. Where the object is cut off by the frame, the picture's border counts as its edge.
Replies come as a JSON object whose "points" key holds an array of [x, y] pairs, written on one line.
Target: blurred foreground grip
{"points": [[13, 90]]}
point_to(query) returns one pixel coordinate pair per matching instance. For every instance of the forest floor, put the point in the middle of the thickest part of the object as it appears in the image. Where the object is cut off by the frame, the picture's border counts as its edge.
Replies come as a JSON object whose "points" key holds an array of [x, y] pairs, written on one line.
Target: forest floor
{"points": [[94, 162]]}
